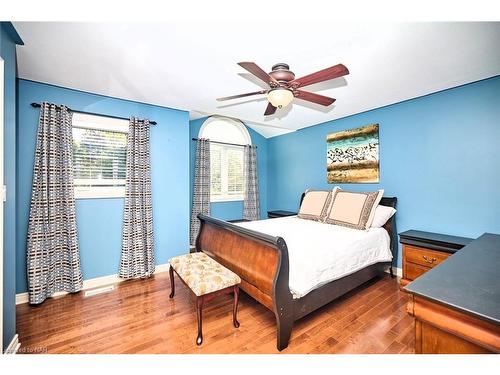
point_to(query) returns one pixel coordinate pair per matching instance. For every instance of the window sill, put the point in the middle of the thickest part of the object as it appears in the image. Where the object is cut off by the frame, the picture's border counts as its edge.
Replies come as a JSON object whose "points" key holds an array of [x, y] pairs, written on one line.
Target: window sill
{"points": [[100, 193], [99, 197], [222, 200]]}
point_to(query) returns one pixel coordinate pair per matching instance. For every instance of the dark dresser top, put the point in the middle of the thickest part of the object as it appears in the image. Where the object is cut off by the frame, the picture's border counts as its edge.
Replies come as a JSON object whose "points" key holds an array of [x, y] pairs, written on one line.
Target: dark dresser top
{"points": [[436, 241], [468, 280], [282, 212]]}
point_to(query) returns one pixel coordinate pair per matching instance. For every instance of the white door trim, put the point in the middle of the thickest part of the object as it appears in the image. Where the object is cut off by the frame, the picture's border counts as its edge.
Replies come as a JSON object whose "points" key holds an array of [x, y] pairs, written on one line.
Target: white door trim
{"points": [[1, 199], [14, 345]]}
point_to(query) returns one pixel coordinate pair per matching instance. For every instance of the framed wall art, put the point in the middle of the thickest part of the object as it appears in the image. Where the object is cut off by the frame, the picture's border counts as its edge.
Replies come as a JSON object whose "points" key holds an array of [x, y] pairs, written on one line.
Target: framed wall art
{"points": [[352, 156]]}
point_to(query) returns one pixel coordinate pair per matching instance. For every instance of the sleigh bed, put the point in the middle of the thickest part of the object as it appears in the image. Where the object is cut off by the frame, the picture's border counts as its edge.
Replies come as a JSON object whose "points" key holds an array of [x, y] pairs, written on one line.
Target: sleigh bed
{"points": [[262, 262]]}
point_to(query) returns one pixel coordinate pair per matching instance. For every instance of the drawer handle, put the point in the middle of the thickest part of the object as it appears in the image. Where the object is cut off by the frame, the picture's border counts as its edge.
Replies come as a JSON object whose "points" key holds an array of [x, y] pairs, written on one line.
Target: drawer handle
{"points": [[427, 260]]}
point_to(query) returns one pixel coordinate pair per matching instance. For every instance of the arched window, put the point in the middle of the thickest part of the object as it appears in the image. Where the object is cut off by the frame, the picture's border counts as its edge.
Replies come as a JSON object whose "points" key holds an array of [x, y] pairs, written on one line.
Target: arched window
{"points": [[226, 160]]}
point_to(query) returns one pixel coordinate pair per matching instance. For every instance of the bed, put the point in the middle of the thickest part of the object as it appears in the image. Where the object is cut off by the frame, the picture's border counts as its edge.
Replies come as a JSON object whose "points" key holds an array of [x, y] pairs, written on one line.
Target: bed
{"points": [[289, 286]]}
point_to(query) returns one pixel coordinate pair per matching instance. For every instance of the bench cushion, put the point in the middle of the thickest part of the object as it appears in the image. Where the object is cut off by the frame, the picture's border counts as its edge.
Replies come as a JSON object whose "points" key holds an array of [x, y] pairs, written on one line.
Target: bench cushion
{"points": [[202, 274]]}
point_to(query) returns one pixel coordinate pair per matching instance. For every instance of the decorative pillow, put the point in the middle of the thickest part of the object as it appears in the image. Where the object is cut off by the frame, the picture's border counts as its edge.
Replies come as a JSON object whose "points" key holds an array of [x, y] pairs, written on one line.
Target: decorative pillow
{"points": [[315, 204], [353, 210], [328, 204], [382, 215]]}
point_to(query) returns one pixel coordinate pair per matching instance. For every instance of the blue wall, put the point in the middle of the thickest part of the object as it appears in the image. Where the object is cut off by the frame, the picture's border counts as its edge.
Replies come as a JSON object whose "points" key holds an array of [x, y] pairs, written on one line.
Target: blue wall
{"points": [[234, 210], [99, 221], [439, 154], [8, 40]]}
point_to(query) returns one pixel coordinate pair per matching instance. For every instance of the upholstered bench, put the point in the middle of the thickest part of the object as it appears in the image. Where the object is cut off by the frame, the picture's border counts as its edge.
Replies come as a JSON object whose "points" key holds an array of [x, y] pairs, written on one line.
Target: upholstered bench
{"points": [[206, 279]]}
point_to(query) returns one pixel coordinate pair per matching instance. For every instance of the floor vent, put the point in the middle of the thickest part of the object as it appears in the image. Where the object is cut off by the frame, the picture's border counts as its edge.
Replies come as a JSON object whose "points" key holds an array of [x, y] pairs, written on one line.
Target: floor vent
{"points": [[104, 289]]}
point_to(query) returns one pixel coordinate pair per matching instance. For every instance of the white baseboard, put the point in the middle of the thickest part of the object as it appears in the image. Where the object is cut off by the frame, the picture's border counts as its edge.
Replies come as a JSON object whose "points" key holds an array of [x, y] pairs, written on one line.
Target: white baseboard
{"points": [[99, 282], [397, 271], [96, 282], [14, 345]]}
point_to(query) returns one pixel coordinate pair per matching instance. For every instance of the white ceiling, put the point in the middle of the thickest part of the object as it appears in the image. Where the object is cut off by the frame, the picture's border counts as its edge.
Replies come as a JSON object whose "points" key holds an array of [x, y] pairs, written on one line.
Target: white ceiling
{"points": [[186, 65]]}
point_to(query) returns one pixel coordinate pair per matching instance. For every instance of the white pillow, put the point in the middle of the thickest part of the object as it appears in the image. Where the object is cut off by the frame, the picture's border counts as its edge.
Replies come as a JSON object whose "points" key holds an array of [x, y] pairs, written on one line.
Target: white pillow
{"points": [[382, 215]]}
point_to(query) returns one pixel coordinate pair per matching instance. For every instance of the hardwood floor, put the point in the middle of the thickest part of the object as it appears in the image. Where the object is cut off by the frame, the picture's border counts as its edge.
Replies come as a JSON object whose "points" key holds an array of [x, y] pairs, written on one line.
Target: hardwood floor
{"points": [[138, 317]]}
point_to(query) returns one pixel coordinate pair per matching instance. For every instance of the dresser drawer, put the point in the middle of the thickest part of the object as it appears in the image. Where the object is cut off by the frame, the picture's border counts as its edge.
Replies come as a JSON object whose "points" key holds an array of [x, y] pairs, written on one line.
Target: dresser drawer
{"points": [[412, 271], [424, 250], [424, 257]]}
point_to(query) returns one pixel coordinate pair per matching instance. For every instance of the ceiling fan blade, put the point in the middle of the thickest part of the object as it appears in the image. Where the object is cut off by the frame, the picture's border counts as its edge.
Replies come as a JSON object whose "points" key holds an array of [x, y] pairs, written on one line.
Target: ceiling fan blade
{"points": [[241, 95], [312, 97], [270, 110], [332, 72], [257, 71]]}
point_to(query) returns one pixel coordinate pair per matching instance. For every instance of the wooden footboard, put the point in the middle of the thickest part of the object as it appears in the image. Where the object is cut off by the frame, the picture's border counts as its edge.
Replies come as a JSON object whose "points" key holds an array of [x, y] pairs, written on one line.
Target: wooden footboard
{"points": [[259, 259]]}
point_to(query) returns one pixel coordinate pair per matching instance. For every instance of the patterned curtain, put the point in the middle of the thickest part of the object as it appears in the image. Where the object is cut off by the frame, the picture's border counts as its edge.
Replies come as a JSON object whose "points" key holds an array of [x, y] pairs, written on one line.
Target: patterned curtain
{"points": [[201, 192], [53, 258], [251, 209], [137, 258]]}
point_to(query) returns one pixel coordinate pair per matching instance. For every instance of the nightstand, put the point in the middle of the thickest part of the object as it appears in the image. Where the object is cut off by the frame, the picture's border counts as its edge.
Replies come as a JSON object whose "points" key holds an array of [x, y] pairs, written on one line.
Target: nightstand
{"points": [[423, 251], [280, 213]]}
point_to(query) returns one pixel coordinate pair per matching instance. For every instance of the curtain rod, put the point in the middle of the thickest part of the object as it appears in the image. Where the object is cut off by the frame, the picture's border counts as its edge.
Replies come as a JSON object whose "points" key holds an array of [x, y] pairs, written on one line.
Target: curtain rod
{"points": [[225, 143], [37, 105]]}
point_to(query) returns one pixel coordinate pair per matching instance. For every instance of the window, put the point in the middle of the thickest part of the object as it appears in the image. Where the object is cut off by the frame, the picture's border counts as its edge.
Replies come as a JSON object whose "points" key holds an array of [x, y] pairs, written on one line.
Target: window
{"points": [[99, 156], [226, 161]]}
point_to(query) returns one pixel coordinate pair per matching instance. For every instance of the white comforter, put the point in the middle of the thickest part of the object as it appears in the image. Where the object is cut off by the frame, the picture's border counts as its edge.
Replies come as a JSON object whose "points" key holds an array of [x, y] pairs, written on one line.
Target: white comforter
{"points": [[319, 253]]}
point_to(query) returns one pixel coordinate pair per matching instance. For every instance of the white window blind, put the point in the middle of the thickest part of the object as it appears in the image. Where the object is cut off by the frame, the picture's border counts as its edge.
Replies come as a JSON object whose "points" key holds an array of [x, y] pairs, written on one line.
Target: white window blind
{"points": [[99, 156], [234, 165], [226, 172], [226, 161]]}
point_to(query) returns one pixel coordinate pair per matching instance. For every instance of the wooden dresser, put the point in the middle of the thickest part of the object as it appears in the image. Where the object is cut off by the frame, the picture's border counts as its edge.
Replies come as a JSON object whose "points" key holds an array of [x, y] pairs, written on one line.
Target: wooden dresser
{"points": [[456, 306], [422, 251]]}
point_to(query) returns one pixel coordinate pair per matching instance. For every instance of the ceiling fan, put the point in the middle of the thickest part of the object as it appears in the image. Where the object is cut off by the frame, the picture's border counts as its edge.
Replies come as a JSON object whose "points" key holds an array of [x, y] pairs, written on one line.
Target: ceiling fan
{"points": [[283, 86]]}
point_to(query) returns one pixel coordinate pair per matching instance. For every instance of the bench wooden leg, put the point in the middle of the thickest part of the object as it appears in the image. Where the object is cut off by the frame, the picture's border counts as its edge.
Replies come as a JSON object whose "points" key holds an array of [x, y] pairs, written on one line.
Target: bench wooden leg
{"points": [[199, 309], [236, 293], [172, 283]]}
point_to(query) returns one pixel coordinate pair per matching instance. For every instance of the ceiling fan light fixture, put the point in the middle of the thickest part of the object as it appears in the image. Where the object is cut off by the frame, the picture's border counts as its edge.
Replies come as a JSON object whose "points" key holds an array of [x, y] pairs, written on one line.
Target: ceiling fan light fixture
{"points": [[280, 97], [283, 86]]}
